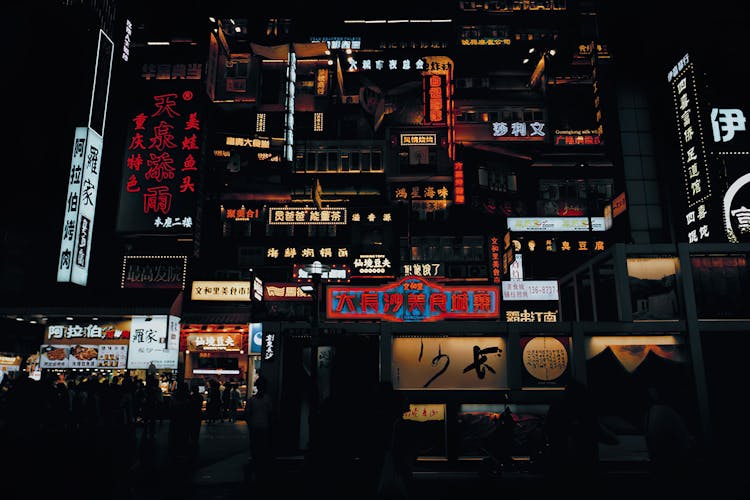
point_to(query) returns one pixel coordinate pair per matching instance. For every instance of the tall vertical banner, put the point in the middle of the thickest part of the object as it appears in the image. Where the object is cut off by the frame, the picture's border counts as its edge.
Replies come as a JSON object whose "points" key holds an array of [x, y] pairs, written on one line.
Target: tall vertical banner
{"points": [[65, 261], [87, 208], [83, 182], [693, 155]]}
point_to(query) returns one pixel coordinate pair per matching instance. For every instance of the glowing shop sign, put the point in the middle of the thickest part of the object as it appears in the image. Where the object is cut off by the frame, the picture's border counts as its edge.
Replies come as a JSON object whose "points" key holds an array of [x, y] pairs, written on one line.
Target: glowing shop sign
{"points": [[413, 299], [725, 122], [530, 131], [306, 252], [421, 270], [214, 342], [418, 139], [434, 99], [421, 192], [693, 157], [739, 217], [526, 316], [284, 291], [247, 142], [530, 290], [372, 264], [555, 223], [306, 216], [458, 182], [221, 290]]}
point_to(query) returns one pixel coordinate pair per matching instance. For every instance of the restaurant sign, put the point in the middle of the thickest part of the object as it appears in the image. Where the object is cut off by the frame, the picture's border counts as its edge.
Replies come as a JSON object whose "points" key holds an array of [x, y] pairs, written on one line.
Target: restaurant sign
{"points": [[413, 299]]}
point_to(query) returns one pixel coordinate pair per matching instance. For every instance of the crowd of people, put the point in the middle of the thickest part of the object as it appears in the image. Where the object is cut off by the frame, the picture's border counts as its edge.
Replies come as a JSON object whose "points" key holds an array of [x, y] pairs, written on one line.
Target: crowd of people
{"points": [[106, 423]]}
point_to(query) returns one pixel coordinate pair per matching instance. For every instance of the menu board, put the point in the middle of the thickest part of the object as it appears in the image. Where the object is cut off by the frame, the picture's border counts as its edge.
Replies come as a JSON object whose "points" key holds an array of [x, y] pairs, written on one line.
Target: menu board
{"points": [[83, 356], [54, 356], [112, 356]]}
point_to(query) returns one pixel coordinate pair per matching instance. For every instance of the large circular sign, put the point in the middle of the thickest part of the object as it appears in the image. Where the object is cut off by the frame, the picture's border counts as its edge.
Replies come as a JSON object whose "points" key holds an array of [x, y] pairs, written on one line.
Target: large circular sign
{"points": [[545, 358]]}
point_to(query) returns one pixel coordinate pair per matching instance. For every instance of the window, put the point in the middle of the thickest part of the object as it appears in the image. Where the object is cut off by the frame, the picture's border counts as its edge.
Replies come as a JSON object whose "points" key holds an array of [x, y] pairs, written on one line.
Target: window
{"points": [[722, 285]]}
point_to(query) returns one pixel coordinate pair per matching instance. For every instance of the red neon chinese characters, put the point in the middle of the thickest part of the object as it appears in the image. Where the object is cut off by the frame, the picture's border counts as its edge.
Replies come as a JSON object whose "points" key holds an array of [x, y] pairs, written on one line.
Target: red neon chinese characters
{"points": [[438, 302], [415, 301], [189, 164], [345, 299], [160, 167], [163, 137], [187, 184], [392, 300], [158, 199], [165, 104], [137, 142], [135, 162], [139, 121], [482, 302], [190, 142], [193, 123], [369, 300], [132, 186], [460, 301]]}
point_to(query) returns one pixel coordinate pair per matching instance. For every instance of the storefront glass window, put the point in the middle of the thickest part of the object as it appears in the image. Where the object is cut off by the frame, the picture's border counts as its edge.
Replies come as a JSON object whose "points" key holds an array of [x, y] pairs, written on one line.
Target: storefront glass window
{"points": [[722, 286], [653, 291]]}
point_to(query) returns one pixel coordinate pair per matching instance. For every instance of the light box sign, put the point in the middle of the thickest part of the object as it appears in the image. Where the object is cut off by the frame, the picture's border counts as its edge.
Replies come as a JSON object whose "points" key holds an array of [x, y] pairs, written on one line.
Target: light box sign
{"points": [[693, 156], [306, 216], [518, 131], [561, 224], [530, 290], [284, 291], [545, 361], [736, 210], [113, 332], [148, 344], [162, 163], [336, 274], [153, 271], [221, 290], [458, 363], [72, 202], [214, 342], [256, 338], [87, 208], [413, 299], [418, 139]]}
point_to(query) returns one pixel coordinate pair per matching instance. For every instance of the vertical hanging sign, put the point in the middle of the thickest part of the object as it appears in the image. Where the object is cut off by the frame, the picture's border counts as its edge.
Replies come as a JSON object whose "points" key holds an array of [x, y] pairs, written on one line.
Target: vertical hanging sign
{"points": [[72, 201], [86, 209]]}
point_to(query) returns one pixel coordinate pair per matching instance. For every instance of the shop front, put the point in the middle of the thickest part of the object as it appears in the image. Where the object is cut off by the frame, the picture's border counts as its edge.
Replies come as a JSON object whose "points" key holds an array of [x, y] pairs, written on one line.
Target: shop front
{"points": [[222, 353], [105, 347]]}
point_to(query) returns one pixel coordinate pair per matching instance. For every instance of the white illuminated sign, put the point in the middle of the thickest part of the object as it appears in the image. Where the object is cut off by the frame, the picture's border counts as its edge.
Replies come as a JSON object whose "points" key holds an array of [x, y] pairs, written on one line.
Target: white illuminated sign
{"points": [[530, 290], [693, 156], [86, 209], [148, 344], [555, 224], [291, 78], [72, 202], [372, 264], [742, 214], [518, 129], [725, 122], [222, 290]]}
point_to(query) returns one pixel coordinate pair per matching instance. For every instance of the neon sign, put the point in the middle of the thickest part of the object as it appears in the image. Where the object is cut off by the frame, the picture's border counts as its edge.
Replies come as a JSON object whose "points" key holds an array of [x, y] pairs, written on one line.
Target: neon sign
{"points": [[413, 299]]}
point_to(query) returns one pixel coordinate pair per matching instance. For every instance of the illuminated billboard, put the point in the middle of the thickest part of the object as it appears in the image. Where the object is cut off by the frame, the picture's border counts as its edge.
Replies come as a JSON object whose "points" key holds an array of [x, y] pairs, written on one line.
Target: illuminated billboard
{"points": [[163, 160], [413, 299]]}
